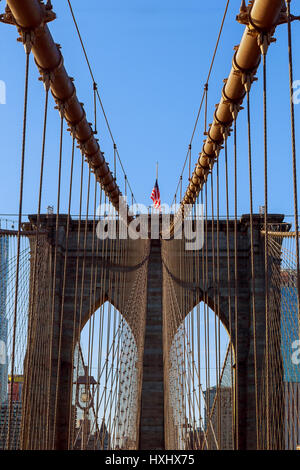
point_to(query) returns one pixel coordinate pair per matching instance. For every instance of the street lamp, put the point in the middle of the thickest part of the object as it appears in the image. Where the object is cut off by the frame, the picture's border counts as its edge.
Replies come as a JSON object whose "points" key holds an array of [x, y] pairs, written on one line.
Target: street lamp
{"points": [[85, 392]]}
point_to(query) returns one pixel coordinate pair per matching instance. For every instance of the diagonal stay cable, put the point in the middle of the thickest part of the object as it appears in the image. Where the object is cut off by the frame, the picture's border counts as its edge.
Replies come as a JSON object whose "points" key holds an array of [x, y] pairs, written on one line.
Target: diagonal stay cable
{"points": [[204, 91], [97, 91]]}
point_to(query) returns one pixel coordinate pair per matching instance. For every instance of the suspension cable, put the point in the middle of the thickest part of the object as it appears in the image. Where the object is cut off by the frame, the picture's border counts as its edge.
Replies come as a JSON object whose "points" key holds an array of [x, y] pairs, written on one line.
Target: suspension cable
{"points": [[27, 50], [252, 266], [294, 159], [96, 90], [204, 94], [266, 244]]}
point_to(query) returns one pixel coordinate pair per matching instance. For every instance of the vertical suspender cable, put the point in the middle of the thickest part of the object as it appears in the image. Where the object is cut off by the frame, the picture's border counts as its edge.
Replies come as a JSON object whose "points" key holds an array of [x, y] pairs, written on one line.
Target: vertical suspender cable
{"points": [[34, 269], [206, 99], [266, 246], [55, 267], [218, 304], [252, 268], [190, 158], [67, 245], [27, 48], [236, 294], [115, 161], [291, 79], [95, 107], [229, 285]]}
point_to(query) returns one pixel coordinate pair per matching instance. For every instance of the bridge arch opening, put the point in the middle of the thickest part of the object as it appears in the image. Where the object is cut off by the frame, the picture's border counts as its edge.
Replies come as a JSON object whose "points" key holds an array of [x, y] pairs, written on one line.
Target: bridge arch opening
{"points": [[105, 391], [201, 382]]}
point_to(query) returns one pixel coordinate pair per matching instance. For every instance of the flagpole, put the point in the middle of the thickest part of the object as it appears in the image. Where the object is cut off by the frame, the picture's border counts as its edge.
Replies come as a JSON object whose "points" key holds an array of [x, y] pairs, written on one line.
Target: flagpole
{"points": [[156, 171]]}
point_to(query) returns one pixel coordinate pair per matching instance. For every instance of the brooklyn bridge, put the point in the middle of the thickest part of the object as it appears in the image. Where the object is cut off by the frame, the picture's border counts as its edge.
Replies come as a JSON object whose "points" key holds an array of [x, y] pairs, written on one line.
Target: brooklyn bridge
{"points": [[128, 327]]}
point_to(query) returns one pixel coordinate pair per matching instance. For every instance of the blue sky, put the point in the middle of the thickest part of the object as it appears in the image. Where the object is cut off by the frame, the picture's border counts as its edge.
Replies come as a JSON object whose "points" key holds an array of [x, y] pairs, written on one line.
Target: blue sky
{"points": [[150, 59]]}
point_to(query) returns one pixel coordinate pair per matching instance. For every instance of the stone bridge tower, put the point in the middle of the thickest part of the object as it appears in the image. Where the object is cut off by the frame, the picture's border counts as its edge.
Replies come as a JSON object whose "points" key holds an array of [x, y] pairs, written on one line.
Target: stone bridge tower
{"points": [[153, 402]]}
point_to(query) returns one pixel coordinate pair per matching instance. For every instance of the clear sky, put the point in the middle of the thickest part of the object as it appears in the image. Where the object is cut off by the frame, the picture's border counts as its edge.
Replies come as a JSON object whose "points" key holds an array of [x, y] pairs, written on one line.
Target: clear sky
{"points": [[150, 59]]}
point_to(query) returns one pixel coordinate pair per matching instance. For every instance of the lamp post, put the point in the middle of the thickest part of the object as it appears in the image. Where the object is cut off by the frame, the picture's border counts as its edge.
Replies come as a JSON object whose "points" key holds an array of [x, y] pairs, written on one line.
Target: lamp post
{"points": [[85, 392]]}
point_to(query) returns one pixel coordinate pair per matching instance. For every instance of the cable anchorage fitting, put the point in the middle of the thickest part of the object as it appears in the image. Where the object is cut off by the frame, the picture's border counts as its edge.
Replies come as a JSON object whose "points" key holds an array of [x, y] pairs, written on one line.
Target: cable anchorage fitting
{"points": [[248, 79], [61, 106], [264, 40], [45, 78], [226, 132], [72, 129], [247, 76], [27, 38]]}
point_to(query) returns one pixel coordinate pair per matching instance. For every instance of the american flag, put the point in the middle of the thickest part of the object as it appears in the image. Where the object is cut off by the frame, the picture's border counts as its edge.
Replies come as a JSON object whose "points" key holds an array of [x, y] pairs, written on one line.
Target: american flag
{"points": [[155, 196]]}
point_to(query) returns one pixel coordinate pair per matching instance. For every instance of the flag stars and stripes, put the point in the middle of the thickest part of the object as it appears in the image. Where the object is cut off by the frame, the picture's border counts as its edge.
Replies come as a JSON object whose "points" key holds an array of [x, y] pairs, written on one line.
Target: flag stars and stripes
{"points": [[155, 196]]}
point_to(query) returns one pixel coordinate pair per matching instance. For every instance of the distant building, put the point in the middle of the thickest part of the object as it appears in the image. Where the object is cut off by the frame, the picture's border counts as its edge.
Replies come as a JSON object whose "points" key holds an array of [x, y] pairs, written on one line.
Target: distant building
{"points": [[220, 422], [210, 395], [128, 443], [16, 388], [92, 441], [3, 319], [292, 416], [15, 428], [289, 325], [195, 439], [15, 425], [291, 370]]}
